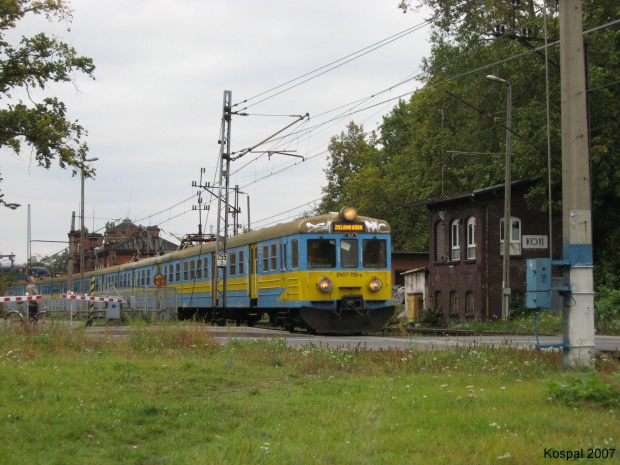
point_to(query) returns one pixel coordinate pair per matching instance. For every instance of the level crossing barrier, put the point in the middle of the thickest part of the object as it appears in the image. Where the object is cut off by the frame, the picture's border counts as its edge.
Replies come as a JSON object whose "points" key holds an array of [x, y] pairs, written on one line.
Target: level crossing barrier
{"points": [[159, 304]]}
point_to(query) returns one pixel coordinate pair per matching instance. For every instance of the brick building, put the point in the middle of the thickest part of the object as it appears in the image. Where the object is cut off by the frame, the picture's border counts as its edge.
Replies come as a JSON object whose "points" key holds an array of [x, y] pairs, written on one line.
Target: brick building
{"points": [[122, 243], [466, 249], [404, 261]]}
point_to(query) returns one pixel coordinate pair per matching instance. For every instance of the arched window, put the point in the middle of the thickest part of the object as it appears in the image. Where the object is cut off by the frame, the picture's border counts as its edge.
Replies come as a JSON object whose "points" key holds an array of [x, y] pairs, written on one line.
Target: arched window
{"points": [[440, 244], [455, 240], [469, 302], [471, 238], [438, 299], [454, 302]]}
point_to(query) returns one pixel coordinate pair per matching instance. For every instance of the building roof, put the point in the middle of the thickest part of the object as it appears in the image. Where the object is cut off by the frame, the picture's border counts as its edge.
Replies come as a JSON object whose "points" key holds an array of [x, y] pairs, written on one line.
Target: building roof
{"points": [[471, 193]]}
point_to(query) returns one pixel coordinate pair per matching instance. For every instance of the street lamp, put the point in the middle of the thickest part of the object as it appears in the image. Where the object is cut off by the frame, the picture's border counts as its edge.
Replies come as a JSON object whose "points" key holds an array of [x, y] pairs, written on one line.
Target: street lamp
{"points": [[82, 165], [506, 291]]}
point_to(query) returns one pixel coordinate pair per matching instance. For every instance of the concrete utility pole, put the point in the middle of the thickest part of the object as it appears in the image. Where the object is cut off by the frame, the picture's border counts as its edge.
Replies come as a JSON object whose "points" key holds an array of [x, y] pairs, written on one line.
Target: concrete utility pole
{"points": [[506, 290], [70, 255], [576, 185], [82, 228]]}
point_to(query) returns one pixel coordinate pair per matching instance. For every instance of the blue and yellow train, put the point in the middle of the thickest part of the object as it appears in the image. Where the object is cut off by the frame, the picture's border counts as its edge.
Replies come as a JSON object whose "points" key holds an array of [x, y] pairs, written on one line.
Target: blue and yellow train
{"points": [[328, 273]]}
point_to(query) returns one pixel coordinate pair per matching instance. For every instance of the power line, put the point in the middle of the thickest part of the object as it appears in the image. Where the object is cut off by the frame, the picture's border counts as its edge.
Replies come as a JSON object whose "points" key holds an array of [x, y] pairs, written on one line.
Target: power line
{"points": [[334, 64]]}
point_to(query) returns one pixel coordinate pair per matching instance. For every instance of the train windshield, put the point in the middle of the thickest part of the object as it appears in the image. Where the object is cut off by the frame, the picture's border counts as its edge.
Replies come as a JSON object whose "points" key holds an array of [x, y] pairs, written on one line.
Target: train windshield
{"points": [[374, 253], [349, 257], [321, 253]]}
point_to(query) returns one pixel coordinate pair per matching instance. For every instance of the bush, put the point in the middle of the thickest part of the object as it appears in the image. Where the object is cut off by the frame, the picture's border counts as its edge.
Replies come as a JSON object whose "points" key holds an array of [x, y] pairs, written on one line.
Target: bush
{"points": [[606, 308], [431, 316], [518, 308], [586, 387]]}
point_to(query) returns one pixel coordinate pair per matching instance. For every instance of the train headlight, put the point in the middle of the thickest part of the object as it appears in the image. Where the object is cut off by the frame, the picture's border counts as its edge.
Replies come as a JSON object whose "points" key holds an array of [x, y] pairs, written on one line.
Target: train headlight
{"points": [[375, 284], [348, 213], [325, 285]]}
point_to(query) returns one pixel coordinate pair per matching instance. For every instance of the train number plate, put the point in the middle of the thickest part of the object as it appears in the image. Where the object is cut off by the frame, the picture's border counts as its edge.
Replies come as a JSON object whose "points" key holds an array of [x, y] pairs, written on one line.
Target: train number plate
{"points": [[349, 274]]}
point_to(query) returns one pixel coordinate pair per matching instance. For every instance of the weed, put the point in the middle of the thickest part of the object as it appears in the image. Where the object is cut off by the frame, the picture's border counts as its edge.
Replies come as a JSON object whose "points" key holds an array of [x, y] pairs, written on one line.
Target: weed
{"points": [[587, 387]]}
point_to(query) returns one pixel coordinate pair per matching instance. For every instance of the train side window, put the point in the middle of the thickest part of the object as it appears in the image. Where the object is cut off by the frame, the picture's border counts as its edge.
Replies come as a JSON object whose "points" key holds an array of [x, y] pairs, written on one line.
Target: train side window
{"points": [[274, 257], [265, 258], [241, 263], [232, 264], [178, 272], [294, 254], [321, 253], [148, 277], [349, 256], [374, 253], [199, 269], [283, 257], [206, 269], [192, 270], [185, 271]]}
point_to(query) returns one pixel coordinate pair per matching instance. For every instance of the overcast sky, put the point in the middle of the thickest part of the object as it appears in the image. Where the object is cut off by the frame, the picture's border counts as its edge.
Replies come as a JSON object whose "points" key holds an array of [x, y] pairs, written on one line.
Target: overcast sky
{"points": [[153, 114]]}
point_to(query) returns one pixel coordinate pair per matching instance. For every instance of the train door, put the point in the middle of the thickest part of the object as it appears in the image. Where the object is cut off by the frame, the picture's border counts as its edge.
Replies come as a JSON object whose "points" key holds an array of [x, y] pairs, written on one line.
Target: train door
{"points": [[253, 276]]}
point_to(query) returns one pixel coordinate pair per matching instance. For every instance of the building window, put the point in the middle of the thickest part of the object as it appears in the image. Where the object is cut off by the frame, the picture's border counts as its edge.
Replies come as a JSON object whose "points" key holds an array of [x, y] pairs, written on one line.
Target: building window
{"points": [[454, 302], [440, 245], [438, 300], [469, 302], [471, 238], [455, 240], [515, 236]]}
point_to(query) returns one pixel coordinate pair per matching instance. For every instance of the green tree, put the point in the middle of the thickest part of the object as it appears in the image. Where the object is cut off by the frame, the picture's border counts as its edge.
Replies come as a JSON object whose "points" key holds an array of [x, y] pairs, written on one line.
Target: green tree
{"points": [[55, 263], [434, 144], [465, 48], [349, 152], [33, 63]]}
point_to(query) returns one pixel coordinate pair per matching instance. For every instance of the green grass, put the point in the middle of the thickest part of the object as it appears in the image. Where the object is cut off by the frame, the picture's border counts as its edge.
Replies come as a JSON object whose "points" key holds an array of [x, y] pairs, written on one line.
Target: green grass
{"points": [[171, 395], [548, 323]]}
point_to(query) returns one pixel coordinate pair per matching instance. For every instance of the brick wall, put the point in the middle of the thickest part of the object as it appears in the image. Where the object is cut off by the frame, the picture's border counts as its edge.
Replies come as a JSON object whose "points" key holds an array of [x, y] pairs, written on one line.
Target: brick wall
{"points": [[480, 279]]}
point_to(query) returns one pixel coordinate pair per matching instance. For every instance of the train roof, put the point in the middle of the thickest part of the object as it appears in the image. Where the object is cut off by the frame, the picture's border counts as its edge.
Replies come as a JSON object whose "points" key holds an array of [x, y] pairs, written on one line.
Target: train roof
{"points": [[315, 224]]}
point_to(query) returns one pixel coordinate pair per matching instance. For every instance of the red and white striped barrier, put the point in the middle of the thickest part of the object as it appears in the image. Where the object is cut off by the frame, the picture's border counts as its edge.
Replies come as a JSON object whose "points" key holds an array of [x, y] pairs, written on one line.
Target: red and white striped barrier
{"points": [[20, 298], [92, 298]]}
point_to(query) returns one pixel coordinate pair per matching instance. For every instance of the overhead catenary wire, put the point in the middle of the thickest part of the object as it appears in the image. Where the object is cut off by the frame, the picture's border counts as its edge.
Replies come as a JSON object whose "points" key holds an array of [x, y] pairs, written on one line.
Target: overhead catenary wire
{"points": [[334, 64], [310, 129]]}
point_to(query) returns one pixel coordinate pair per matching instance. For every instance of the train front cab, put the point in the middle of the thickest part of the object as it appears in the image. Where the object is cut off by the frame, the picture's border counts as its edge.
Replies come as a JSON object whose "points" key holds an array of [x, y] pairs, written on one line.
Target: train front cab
{"points": [[335, 279], [348, 283]]}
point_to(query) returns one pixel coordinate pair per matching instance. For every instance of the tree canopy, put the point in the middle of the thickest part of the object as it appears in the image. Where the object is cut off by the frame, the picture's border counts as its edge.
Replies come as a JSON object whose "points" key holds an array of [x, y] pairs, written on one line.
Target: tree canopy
{"points": [[32, 63], [436, 144]]}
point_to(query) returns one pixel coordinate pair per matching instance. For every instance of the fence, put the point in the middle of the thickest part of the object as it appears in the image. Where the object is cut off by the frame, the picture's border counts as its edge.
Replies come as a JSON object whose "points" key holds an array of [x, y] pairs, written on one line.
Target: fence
{"points": [[158, 304]]}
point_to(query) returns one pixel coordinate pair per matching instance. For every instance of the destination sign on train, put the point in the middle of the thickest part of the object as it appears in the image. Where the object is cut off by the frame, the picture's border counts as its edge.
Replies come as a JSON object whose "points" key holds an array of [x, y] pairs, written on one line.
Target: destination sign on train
{"points": [[348, 227]]}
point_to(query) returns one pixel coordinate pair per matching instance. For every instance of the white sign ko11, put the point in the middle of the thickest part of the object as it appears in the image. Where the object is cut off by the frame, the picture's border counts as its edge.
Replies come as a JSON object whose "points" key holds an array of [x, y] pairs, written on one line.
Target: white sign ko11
{"points": [[535, 242]]}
